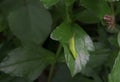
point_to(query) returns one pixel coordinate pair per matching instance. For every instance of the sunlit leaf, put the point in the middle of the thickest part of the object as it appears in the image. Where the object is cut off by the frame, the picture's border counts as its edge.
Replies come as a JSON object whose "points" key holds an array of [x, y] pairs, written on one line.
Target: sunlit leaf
{"points": [[77, 55], [62, 33], [81, 36]]}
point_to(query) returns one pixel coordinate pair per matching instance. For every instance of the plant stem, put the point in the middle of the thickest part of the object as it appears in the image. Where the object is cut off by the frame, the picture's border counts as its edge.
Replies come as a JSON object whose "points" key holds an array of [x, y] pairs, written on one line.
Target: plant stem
{"points": [[51, 72], [68, 11], [53, 65], [67, 14], [112, 8], [58, 51], [113, 12]]}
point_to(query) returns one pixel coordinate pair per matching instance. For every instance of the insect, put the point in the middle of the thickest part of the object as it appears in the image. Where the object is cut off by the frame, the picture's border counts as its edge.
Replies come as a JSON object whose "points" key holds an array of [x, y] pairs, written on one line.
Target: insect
{"points": [[72, 47]]}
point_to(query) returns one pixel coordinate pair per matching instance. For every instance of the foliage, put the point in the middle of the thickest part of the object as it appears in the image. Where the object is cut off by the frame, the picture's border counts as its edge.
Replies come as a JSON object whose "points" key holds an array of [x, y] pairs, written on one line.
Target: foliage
{"points": [[59, 40]]}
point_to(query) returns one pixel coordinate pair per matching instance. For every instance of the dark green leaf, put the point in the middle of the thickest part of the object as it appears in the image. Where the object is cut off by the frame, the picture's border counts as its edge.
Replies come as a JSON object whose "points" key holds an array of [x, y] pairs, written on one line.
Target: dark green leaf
{"points": [[31, 22], [98, 7], [7, 6], [115, 74], [2, 23], [63, 73], [117, 11], [119, 38], [87, 16], [113, 41], [5, 47], [69, 2], [7, 78], [49, 3], [27, 62]]}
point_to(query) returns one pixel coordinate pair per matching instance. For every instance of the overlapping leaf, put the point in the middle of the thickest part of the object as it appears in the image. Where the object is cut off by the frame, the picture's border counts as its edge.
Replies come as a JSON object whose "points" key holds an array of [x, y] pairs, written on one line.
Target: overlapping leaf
{"points": [[31, 22], [81, 35], [8, 78], [49, 3], [119, 38], [115, 74], [27, 62], [62, 33], [76, 50], [99, 7], [63, 73], [87, 16]]}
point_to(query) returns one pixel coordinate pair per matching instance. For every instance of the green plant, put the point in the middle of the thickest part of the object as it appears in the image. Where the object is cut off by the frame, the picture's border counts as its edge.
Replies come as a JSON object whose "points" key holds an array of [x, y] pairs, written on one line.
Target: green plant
{"points": [[42, 37]]}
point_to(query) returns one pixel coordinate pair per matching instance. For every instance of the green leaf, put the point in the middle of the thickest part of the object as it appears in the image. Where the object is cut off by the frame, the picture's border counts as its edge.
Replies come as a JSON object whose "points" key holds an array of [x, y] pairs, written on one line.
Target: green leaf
{"points": [[27, 62], [7, 78], [75, 65], [70, 61], [2, 23], [69, 2], [5, 47], [76, 50], [117, 11], [31, 22], [7, 6], [62, 33], [82, 37], [98, 7], [63, 73], [49, 3], [87, 16], [114, 76], [113, 40], [119, 38], [78, 56]]}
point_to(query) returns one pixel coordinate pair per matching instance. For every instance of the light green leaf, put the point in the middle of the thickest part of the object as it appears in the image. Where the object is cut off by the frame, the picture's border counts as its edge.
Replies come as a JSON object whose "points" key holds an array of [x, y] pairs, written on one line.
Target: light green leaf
{"points": [[62, 33], [49, 3], [27, 62], [31, 22], [114, 76], [98, 7]]}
